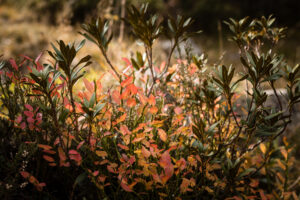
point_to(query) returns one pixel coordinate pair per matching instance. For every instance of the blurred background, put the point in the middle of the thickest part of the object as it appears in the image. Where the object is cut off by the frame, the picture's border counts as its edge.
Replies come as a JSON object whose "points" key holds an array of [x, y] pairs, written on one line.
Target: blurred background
{"points": [[28, 26]]}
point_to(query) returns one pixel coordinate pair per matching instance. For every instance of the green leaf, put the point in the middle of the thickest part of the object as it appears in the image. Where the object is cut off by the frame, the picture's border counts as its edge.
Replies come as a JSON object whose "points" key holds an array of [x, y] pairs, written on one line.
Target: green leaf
{"points": [[63, 115], [246, 172], [54, 78], [211, 129], [79, 180], [134, 64], [97, 108], [269, 117], [81, 44], [92, 101]]}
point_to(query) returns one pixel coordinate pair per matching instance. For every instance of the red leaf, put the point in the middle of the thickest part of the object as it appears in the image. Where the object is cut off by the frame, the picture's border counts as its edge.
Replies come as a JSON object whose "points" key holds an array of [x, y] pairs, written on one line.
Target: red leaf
{"points": [[74, 155], [79, 145], [127, 61], [131, 160], [30, 120], [28, 113], [19, 119], [9, 74], [38, 58], [25, 174], [111, 169], [62, 156], [145, 152], [95, 173], [14, 64], [27, 58], [23, 125], [49, 152]]}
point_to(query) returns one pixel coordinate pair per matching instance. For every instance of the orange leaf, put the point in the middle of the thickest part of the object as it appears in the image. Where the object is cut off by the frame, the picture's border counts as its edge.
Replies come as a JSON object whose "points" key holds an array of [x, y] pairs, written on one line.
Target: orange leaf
{"points": [[127, 81], [123, 147], [162, 135], [124, 130], [184, 185], [48, 158], [89, 86], [131, 102], [111, 168], [132, 88], [156, 178], [122, 118], [166, 163], [153, 110], [116, 97], [262, 195], [40, 186], [142, 98], [125, 187], [165, 160], [138, 137], [151, 100], [178, 110], [45, 147], [192, 69]]}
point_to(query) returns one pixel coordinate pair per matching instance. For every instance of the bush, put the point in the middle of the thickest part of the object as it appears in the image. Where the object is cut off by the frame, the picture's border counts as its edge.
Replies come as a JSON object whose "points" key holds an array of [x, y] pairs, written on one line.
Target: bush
{"points": [[173, 131]]}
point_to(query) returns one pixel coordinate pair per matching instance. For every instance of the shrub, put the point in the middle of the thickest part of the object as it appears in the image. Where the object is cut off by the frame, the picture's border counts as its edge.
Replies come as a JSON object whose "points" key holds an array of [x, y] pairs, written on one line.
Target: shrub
{"points": [[173, 131]]}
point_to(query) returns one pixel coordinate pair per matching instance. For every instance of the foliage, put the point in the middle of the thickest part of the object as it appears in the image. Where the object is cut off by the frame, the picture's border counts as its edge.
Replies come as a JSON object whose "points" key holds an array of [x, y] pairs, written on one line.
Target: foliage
{"points": [[162, 132]]}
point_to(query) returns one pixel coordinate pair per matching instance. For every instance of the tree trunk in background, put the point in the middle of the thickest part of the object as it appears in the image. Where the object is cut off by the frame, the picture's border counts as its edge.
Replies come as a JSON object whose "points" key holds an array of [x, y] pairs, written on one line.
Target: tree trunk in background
{"points": [[220, 38], [122, 25], [109, 14]]}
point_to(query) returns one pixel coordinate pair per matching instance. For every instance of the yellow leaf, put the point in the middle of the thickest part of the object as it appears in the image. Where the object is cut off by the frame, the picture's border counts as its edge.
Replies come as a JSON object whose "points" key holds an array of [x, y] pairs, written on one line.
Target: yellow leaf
{"points": [[263, 148], [208, 189], [284, 153], [101, 153]]}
